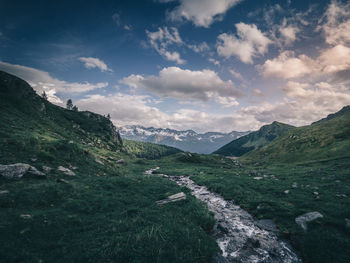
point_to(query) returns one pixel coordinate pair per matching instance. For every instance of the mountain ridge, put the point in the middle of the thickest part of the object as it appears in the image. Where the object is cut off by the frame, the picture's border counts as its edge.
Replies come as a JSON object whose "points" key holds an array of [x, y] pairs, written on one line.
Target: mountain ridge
{"points": [[254, 140], [186, 140]]}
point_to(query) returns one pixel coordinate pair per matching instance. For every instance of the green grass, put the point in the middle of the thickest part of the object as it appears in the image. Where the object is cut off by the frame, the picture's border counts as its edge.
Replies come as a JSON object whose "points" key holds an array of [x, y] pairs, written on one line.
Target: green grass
{"points": [[108, 211], [327, 239]]}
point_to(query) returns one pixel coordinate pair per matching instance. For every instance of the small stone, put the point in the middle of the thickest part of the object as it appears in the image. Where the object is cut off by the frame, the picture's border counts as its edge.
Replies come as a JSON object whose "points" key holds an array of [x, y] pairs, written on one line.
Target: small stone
{"points": [[65, 170], [99, 161], [303, 219], [315, 193], [33, 159], [347, 223], [4, 192], [70, 142], [120, 161], [286, 192], [25, 216], [258, 178], [47, 168], [172, 198], [295, 185]]}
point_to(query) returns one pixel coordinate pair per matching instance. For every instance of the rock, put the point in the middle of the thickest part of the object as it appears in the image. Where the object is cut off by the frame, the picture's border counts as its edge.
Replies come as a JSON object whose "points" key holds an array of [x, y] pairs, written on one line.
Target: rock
{"points": [[267, 224], [315, 193], [172, 198], [4, 192], [65, 170], [18, 170], [33, 159], [347, 223], [303, 219], [120, 161], [258, 178], [99, 161], [286, 192], [70, 142], [47, 169], [25, 216], [150, 171], [341, 195], [295, 185], [60, 180], [253, 173]]}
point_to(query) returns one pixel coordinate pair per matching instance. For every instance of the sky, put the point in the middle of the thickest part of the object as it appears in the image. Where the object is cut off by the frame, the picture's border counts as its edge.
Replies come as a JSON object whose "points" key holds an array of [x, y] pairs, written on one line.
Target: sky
{"points": [[204, 65]]}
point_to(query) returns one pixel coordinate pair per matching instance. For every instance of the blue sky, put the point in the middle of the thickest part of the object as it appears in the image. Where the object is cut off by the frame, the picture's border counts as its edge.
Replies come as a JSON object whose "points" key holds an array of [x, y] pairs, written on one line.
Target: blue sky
{"points": [[185, 64]]}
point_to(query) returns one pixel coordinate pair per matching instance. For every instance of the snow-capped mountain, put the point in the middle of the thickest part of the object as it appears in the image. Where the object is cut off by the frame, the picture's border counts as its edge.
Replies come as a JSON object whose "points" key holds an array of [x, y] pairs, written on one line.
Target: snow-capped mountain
{"points": [[185, 140]]}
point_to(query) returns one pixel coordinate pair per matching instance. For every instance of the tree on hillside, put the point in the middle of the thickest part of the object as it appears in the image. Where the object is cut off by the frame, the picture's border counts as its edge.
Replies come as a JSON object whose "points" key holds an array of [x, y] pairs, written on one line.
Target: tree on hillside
{"points": [[43, 95], [108, 116], [69, 105], [75, 108]]}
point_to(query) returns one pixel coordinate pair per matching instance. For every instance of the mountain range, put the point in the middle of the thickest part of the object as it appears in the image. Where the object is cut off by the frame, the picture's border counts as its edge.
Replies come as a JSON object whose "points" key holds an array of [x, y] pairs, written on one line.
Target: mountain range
{"points": [[187, 140]]}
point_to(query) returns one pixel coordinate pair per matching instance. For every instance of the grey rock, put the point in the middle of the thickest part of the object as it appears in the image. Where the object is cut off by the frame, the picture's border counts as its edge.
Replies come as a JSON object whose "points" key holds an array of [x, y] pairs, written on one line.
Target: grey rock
{"points": [[267, 224], [99, 161], [4, 192], [347, 223], [47, 169], [258, 178], [295, 185], [286, 192], [18, 170], [173, 198], [65, 170], [25, 216], [303, 219], [150, 171], [120, 161], [71, 142]]}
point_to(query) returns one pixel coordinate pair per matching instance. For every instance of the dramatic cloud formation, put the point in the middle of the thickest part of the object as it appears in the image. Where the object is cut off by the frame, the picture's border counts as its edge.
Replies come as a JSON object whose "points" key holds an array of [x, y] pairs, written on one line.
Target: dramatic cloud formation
{"points": [[201, 12], [42, 81], [250, 43], [186, 84], [337, 23], [161, 39], [287, 66], [90, 62]]}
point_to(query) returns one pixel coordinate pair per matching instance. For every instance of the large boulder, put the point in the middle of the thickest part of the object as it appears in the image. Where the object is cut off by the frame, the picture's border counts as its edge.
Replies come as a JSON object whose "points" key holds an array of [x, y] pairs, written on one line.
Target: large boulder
{"points": [[303, 219], [18, 170]]}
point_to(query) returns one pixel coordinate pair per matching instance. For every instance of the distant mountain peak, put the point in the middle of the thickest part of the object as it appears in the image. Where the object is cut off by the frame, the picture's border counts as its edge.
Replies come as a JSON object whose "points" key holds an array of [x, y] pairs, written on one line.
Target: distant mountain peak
{"points": [[186, 140]]}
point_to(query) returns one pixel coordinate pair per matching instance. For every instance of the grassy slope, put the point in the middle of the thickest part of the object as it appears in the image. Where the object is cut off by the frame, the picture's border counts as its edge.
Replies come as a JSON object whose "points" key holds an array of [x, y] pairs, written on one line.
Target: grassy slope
{"points": [[320, 164], [323, 140], [148, 150], [107, 212], [253, 140]]}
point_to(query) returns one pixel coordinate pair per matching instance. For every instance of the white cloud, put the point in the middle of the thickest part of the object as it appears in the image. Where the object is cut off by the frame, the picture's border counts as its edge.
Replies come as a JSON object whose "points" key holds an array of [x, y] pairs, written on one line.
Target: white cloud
{"points": [[118, 21], [214, 61], [236, 74], [42, 81], [288, 33], [336, 26], [249, 43], [163, 38], [202, 47], [186, 84], [287, 66], [335, 59], [90, 63], [201, 12]]}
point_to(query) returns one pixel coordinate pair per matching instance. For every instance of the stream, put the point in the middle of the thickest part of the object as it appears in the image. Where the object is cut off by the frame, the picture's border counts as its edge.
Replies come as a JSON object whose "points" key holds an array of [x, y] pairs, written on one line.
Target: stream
{"points": [[240, 237]]}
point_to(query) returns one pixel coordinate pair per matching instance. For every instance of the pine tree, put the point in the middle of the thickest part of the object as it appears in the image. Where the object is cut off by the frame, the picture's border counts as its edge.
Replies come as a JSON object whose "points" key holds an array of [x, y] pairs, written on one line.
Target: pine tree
{"points": [[69, 105], [108, 116], [43, 95], [75, 108]]}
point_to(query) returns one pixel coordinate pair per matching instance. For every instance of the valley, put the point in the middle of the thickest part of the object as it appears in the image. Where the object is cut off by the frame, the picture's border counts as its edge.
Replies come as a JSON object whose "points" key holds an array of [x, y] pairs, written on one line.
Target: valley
{"points": [[85, 196]]}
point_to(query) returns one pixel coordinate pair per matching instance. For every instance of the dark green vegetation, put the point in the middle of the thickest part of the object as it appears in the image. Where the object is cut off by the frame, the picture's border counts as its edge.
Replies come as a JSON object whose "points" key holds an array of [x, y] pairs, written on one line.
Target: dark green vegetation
{"points": [[148, 150], [311, 162], [254, 140], [107, 211], [327, 139]]}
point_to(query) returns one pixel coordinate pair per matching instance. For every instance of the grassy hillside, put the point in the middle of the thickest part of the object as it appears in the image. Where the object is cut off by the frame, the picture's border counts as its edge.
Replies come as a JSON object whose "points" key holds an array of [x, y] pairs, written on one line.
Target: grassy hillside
{"points": [[254, 140], [148, 150], [327, 139], [106, 212]]}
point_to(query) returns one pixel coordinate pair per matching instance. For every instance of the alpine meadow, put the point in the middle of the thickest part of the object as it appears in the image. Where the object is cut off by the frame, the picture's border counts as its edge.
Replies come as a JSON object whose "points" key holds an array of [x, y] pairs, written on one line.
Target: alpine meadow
{"points": [[175, 131]]}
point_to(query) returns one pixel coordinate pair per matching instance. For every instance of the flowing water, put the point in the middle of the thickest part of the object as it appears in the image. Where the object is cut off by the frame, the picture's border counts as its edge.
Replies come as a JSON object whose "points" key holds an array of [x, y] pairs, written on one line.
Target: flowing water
{"points": [[240, 237]]}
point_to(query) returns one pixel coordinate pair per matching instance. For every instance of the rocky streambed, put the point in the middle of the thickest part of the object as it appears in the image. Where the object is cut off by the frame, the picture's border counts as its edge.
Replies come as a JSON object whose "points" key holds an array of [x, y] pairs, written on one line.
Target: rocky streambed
{"points": [[240, 237]]}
